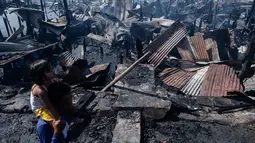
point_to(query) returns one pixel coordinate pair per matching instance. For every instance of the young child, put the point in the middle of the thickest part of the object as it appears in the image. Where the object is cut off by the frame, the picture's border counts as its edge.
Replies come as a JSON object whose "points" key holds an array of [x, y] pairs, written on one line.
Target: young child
{"points": [[42, 75]]}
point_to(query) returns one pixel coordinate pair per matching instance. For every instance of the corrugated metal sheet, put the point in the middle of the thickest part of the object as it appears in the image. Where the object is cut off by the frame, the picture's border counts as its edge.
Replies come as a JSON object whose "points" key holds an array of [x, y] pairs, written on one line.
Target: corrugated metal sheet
{"points": [[66, 59], [174, 77], [249, 84], [212, 50], [219, 80], [161, 46], [184, 50], [199, 48], [193, 86]]}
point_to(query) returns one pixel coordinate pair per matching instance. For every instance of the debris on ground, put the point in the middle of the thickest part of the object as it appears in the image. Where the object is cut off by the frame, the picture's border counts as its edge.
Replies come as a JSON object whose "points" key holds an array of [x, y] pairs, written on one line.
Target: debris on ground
{"points": [[143, 70]]}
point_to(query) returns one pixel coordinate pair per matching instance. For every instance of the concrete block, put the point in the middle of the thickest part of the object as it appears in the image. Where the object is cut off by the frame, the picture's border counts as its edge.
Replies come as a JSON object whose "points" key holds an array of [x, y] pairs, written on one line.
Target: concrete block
{"points": [[128, 127]]}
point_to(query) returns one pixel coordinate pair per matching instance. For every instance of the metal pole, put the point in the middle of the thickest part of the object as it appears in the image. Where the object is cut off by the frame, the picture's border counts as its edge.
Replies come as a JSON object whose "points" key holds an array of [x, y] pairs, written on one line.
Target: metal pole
{"points": [[42, 8], [126, 71], [68, 18]]}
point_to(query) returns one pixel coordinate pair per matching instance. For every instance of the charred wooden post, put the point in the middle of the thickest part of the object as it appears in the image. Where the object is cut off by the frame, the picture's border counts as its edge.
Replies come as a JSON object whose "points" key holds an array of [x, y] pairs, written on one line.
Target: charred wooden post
{"points": [[6, 26], [121, 57], [42, 8], [42, 31], [101, 50], [29, 26], [1, 36], [84, 45], [139, 47], [200, 25], [127, 47], [67, 13], [192, 29]]}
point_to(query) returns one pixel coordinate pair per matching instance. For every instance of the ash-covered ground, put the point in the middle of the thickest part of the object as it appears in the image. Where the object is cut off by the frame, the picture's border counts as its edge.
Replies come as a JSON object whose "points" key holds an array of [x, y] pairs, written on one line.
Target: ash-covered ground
{"points": [[185, 131], [18, 123]]}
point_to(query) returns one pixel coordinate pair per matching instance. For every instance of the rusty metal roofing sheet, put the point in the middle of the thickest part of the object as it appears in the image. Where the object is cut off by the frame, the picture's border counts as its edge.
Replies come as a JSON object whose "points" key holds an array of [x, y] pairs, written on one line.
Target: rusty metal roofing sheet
{"points": [[161, 46], [212, 50], [199, 48], [174, 77], [184, 50], [249, 84], [193, 86], [219, 80]]}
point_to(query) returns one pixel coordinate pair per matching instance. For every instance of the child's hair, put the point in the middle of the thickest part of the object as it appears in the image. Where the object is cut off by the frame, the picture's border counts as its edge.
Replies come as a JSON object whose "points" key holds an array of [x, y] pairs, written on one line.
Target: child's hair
{"points": [[57, 90], [37, 70]]}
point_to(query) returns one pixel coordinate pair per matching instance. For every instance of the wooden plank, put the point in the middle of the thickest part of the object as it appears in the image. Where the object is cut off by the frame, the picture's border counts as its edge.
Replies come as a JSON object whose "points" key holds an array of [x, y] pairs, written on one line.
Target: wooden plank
{"points": [[15, 34]]}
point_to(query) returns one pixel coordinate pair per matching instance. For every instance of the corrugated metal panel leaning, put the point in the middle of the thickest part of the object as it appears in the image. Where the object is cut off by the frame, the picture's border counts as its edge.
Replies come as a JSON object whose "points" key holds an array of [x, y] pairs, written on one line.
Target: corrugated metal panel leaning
{"points": [[199, 48], [166, 42], [219, 80]]}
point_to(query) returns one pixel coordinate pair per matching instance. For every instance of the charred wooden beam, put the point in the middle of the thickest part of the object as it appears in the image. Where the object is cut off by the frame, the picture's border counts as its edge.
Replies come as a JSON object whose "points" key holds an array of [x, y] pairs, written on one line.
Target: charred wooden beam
{"points": [[15, 34], [19, 20], [139, 47], [42, 31]]}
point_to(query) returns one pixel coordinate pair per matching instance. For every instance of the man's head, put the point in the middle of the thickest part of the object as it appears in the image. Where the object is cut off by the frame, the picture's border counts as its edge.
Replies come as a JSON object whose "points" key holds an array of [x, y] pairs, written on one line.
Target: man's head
{"points": [[60, 96]]}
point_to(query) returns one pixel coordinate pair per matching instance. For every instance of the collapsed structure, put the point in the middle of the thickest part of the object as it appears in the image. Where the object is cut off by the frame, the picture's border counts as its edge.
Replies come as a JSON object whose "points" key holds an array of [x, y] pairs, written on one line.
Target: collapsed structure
{"points": [[185, 62]]}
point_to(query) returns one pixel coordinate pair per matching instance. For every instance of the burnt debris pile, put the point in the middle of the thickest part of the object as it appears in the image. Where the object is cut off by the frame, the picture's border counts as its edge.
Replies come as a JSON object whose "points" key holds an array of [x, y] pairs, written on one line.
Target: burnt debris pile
{"points": [[144, 70]]}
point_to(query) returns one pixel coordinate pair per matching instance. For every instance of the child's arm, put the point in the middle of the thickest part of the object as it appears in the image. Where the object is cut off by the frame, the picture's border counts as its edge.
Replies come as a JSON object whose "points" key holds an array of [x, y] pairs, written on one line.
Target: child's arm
{"points": [[44, 96]]}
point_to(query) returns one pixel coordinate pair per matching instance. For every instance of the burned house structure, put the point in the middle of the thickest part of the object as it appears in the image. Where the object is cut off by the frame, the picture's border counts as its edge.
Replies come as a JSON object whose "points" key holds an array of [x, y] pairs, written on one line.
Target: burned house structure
{"points": [[144, 70]]}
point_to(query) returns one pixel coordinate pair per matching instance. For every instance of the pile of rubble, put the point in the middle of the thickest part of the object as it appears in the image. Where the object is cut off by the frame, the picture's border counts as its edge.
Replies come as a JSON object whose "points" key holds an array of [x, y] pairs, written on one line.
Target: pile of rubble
{"points": [[183, 68]]}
